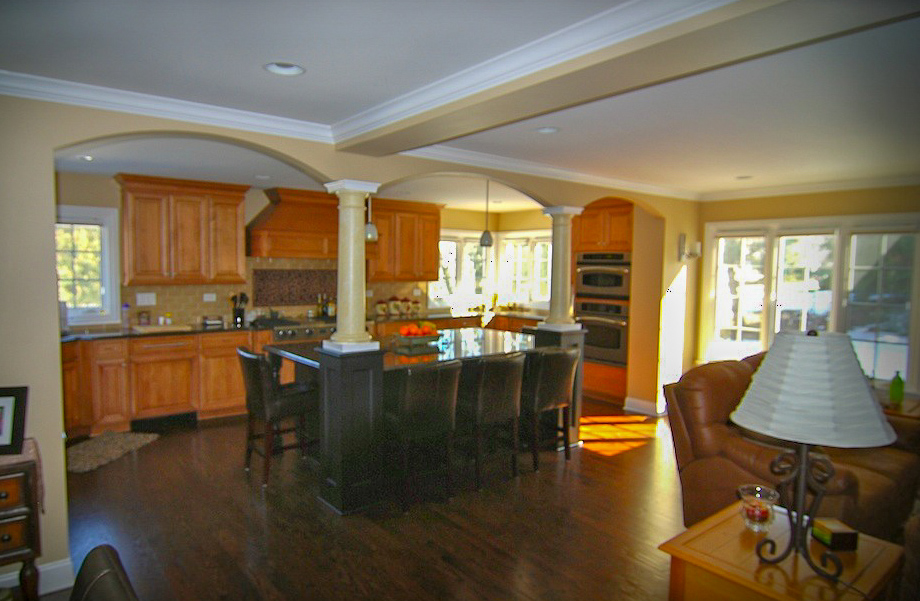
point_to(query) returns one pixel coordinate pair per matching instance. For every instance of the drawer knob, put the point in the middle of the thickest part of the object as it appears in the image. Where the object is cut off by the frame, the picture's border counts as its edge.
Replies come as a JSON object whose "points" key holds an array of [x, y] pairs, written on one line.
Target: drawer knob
{"points": [[4, 495], [5, 538]]}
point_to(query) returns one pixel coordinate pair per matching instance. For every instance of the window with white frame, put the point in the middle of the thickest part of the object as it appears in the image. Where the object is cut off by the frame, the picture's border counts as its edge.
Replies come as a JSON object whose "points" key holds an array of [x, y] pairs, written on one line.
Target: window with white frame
{"points": [[849, 274], [463, 273], [86, 243], [467, 278]]}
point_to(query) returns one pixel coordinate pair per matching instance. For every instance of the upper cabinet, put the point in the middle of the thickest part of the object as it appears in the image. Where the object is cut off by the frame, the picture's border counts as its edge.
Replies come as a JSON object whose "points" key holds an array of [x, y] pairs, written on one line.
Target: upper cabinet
{"points": [[181, 231], [604, 225], [407, 243], [296, 224]]}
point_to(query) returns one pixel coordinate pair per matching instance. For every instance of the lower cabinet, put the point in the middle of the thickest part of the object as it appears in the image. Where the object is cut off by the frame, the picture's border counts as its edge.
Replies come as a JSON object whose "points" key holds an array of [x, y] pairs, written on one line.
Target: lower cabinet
{"points": [[78, 414], [164, 375], [511, 323], [222, 388], [108, 382], [604, 382]]}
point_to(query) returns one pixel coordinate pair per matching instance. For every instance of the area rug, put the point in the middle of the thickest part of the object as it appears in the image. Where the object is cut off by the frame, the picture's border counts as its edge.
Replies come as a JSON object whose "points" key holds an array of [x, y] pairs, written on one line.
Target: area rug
{"points": [[109, 446]]}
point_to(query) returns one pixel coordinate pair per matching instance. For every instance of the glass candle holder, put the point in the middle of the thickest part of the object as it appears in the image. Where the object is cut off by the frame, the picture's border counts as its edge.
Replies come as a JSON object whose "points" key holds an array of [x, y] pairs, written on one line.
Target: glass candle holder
{"points": [[757, 506]]}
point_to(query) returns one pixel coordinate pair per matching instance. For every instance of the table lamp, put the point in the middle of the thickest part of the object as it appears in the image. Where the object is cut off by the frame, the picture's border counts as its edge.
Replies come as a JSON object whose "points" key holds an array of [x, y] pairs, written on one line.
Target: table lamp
{"points": [[810, 390]]}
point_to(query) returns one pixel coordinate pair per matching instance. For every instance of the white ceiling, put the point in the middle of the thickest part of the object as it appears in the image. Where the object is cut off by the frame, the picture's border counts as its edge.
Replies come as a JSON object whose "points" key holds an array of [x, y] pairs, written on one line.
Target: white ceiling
{"points": [[700, 99]]}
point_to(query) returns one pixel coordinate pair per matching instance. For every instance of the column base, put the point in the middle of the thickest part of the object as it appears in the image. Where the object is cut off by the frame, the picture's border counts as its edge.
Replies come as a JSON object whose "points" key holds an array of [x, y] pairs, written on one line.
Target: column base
{"points": [[343, 348], [559, 327]]}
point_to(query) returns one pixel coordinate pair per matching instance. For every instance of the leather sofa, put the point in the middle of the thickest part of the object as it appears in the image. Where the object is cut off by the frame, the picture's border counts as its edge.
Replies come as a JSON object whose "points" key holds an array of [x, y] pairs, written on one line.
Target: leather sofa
{"points": [[872, 490]]}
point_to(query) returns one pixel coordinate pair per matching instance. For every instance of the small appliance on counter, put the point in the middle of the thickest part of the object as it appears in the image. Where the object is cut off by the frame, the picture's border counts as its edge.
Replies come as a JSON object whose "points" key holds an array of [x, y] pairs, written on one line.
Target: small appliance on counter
{"points": [[214, 322]]}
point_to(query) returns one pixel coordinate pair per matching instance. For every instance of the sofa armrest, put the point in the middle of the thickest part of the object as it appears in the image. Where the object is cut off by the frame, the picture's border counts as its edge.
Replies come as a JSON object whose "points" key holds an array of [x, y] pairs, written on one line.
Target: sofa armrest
{"points": [[908, 431], [756, 457]]}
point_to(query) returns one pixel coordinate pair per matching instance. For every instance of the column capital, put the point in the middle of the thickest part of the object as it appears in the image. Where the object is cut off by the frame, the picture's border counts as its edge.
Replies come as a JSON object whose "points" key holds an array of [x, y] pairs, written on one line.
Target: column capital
{"points": [[562, 210], [351, 185]]}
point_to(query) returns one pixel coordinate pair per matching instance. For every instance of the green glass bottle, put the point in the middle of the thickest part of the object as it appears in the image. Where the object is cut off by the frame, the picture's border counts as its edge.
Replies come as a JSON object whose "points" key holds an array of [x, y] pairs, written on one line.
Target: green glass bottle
{"points": [[896, 389]]}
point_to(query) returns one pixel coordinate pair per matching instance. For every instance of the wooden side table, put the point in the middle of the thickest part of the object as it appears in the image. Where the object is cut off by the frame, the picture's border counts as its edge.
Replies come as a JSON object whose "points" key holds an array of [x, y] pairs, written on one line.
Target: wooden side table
{"points": [[716, 560], [20, 500]]}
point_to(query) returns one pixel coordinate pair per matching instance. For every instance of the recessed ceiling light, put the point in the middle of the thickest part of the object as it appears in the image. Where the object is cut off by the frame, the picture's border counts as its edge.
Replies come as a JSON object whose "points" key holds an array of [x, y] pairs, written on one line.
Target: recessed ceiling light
{"points": [[744, 176], [548, 129], [288, 69], [85, 157]]}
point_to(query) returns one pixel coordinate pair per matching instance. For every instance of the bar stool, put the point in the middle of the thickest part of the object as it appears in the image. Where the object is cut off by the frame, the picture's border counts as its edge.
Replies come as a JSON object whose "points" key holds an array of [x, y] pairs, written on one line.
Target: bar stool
{"points": [[494, 402], [271, 403], [419, 407], [549, 381]]}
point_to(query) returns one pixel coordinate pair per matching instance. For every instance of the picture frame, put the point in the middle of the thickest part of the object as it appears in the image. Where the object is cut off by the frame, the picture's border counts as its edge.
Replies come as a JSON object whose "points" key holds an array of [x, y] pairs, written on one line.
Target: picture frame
{"points": [[12, 419]]}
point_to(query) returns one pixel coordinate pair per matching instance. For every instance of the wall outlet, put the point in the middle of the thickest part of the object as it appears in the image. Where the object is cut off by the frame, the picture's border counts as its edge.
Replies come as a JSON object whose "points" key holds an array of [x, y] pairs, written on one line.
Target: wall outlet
{"points": [[416, 292], [369, 294], [209, 297], [146, 299]]}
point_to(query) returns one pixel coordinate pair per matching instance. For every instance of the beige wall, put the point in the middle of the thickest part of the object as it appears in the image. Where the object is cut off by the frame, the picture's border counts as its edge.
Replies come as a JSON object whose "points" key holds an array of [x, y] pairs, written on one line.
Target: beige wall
{"points": [[902, 199], [33, 130]]}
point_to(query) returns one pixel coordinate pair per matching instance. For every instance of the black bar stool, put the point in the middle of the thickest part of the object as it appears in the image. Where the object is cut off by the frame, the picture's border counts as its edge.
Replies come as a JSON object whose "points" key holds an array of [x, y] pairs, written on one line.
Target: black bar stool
{"points": [[493, 402], [270, 402], [421, 406], [549, 382]]}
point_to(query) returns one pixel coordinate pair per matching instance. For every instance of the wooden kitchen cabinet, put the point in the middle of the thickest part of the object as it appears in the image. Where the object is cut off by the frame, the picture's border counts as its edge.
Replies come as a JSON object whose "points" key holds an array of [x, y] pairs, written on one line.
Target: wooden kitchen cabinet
{"points": [[407, 245], [111, 409], [605, 382], [604, 225], [262, 337], [511, 323], [181, 231], [164, 375], [78, 414], [222, 389]]}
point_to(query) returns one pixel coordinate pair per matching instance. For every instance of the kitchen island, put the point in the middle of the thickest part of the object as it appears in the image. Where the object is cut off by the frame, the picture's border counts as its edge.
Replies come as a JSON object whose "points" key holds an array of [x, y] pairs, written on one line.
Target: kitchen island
{"points": [[354, 389]]}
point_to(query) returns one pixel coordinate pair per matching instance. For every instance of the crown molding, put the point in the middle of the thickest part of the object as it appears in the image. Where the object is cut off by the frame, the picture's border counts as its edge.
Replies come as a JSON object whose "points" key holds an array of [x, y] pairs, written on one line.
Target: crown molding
{"points": [[613, 26], [78, 94], [489, 161]]}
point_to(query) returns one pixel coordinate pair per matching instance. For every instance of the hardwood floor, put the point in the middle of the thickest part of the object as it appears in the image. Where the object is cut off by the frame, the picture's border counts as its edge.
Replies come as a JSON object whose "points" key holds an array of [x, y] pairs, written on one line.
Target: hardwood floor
{"points": [[189, 523]]}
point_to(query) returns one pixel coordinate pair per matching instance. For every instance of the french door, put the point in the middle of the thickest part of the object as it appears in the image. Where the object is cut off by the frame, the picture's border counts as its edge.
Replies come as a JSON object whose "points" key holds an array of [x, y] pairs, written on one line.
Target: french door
{"points": [[861, 283]]}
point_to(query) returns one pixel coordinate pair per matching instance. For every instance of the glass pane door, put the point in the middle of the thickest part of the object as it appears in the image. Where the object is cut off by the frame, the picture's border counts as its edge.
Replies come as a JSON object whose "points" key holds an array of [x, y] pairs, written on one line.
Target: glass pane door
{"points": [[739, 297], [804, 282], [879, 288]]}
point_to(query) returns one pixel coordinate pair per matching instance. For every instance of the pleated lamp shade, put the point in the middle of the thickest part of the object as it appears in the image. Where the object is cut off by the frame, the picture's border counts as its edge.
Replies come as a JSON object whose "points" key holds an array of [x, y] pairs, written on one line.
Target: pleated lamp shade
{"points": [[811, 389]]}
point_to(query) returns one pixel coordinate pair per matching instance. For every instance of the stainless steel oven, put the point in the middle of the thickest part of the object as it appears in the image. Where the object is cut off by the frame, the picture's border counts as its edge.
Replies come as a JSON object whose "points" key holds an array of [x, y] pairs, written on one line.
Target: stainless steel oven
{"points": [[602, 274], [606, 323]]}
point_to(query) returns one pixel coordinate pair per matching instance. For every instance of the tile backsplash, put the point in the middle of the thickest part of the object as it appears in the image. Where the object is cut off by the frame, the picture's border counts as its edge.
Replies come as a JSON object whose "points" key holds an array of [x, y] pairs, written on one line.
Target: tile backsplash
{"points": [[289, 286]]}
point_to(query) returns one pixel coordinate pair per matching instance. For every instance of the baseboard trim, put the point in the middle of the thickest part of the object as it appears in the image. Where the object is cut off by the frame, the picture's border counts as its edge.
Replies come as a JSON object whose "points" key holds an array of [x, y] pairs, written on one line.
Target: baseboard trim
{"points": [[52, 577], [640, 406]]}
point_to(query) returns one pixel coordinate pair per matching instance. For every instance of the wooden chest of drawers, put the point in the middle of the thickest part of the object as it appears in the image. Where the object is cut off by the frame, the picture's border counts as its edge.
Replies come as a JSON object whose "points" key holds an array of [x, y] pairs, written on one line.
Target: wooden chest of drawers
{"points": [[19, 534]]}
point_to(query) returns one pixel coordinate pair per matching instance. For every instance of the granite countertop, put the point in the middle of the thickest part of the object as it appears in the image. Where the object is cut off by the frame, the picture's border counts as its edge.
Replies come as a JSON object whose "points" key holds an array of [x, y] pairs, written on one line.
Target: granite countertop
{"points": [[446, 314], [86, 335]]}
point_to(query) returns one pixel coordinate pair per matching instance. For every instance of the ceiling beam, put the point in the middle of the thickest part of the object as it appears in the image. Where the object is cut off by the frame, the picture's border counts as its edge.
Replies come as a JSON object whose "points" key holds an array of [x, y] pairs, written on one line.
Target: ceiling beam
{"points": [[728, 35]]}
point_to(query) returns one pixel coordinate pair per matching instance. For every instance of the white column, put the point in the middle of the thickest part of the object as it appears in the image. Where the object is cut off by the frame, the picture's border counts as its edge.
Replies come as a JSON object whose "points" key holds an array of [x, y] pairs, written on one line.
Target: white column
{"points": [[560, 295], [350, 334]]}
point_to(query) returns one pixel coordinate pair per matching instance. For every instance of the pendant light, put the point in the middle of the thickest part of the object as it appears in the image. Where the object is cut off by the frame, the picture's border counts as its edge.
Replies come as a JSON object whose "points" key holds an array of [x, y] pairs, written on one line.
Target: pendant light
{"points": [[486, 238], [370, 230]]}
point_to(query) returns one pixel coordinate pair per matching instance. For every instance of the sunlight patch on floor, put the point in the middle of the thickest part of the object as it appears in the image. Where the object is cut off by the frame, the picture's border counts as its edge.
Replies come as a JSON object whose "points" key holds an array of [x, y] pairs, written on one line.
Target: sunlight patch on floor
{"points": [[610, 435]]}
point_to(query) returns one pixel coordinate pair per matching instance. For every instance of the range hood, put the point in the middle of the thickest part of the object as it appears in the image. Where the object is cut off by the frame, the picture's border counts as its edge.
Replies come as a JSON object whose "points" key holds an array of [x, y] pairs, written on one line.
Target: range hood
{"points": [[295, 224]]}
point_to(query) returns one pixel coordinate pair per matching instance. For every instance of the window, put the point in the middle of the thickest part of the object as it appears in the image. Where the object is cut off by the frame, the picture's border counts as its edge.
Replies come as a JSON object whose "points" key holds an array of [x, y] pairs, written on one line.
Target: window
{"points": [[878, 301], [466, 278], [85, 244], [847, 274], [524, 277], [462, 273], [739, 294]]}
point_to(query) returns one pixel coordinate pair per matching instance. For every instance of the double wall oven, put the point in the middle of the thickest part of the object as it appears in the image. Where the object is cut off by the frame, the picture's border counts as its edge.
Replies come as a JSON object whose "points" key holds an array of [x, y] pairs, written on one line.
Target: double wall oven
{"points": [[602, 304]]}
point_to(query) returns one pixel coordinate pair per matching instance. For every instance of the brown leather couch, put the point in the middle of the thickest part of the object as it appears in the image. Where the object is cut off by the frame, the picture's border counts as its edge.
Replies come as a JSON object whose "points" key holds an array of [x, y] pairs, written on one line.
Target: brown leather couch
{"points": [[873, 490]]}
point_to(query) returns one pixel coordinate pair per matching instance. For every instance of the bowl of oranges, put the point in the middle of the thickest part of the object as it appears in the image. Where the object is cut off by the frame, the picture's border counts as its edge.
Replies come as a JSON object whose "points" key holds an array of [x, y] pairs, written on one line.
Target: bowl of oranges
{"points": [[417, 338]]}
